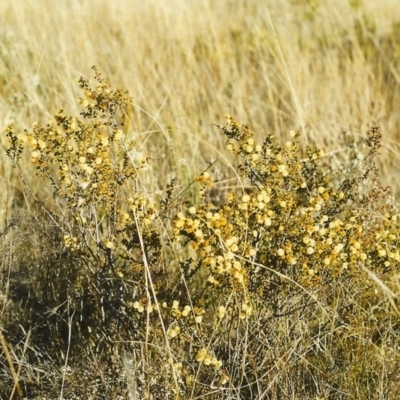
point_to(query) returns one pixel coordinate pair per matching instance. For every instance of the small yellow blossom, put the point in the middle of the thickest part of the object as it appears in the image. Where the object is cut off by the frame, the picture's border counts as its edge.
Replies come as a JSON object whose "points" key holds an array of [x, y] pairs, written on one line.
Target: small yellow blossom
{"points": [[186, 311], [138, 306], [310, 250], [175, 305], [382, 253], [201, 355], [338, 248], [267, 221], [212, 280], [221, 312], [174, 332], [224, 379]]}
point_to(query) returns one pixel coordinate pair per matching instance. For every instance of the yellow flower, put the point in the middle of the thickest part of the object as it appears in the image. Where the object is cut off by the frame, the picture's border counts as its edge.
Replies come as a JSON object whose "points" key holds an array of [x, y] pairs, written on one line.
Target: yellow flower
{"points": [[201, 355], [246, 198], [221, 312], [174, 332], [138, 306], [186, 311], [382, 253], [175, 304]]}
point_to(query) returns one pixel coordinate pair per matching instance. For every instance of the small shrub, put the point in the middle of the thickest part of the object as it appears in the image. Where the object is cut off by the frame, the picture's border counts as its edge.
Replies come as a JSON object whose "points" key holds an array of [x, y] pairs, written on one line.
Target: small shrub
{"points": [[271, 293]]}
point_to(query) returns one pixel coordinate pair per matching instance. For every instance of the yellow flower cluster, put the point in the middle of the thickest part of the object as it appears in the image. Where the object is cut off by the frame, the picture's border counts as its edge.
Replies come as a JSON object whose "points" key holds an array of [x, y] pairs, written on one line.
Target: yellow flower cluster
{"points": [[195, 314], [208, 359], [71, 242]]}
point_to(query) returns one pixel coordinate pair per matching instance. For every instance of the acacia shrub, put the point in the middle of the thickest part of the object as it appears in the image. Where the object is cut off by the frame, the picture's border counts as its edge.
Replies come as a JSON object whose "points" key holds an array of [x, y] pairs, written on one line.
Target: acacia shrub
{"points": [[267, 293]]}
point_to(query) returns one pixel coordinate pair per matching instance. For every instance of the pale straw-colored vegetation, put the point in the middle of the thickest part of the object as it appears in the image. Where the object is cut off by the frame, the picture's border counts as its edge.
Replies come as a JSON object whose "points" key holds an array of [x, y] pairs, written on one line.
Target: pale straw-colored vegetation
{"points": [[327, 69]]}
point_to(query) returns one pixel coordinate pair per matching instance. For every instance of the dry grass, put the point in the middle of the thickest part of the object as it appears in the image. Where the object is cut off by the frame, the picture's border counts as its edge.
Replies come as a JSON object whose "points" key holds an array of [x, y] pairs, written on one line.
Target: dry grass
{"points": [[327, 68], [188, 65]]}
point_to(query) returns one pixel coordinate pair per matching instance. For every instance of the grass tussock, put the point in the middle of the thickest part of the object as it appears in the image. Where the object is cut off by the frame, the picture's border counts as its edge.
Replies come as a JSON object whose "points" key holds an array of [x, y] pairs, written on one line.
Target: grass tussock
{"points": [[284, 287]]}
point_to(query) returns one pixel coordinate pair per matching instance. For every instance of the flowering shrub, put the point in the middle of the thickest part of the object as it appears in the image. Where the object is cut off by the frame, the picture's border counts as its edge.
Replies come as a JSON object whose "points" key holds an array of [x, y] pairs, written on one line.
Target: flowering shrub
{"points": [[269, 293]]}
